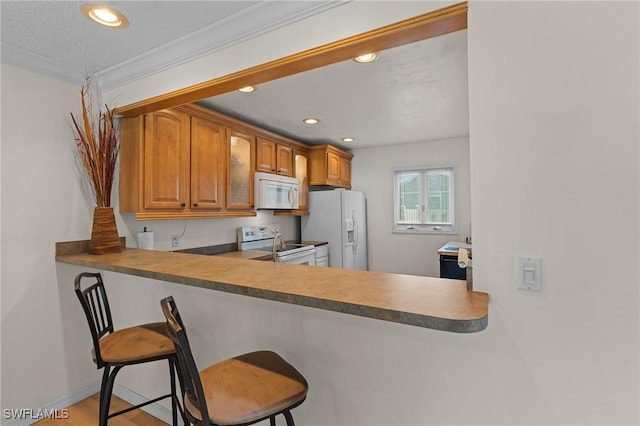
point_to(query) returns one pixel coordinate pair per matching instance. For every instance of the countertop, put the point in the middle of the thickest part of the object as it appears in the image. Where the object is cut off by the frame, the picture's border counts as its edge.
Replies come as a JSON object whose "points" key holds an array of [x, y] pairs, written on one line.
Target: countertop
{"points": [[452, 247], [436, 303]]}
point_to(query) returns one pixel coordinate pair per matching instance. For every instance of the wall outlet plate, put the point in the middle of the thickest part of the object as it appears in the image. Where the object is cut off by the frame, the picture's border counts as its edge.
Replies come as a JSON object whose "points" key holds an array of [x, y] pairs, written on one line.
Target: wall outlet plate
{"points": [[175, 241]]}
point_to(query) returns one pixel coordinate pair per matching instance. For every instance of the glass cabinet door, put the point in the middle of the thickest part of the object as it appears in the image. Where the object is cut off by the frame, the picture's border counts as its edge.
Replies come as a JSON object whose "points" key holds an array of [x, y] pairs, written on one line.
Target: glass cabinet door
{"points": [[301, 159], [240, 171]]}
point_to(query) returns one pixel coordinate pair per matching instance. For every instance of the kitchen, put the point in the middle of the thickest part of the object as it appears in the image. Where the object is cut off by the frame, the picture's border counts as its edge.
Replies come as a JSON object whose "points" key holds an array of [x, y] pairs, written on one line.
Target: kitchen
{"points": [[446, 142], [549, 346]]}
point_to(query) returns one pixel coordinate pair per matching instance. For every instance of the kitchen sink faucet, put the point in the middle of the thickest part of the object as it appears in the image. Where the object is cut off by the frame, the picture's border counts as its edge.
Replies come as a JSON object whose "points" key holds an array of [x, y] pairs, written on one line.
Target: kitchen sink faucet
{"points": [[283, 245]]}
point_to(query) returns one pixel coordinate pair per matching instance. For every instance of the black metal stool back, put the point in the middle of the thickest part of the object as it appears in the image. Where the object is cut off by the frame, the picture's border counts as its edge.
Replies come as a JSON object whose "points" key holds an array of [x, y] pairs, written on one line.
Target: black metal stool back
{"points": [[113, 350], [96, 308], [187, 369]]}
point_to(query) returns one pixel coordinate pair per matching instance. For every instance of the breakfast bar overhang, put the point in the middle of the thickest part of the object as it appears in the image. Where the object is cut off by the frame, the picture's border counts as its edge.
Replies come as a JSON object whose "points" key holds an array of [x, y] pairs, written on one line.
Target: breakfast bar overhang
{"points": [[434, 303]]}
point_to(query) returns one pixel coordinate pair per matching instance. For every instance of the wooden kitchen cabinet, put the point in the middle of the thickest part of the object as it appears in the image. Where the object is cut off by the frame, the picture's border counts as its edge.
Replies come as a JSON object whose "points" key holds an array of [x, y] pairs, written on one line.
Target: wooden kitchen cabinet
{"points": [[240, 171], [274, 157], [329, 166], [174, 165], [166, 160], [301, 169], [208, 164], [191, 162]]}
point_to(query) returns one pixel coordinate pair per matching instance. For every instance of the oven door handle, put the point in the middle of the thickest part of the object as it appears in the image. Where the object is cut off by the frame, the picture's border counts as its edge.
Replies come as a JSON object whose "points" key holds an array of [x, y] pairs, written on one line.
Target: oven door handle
{"points": [[290, 258]]}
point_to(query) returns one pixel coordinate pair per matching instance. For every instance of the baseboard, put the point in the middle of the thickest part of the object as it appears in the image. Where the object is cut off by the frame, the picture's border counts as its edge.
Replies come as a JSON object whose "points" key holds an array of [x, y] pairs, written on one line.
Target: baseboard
{"points": [[156, 409], [28, 417]]}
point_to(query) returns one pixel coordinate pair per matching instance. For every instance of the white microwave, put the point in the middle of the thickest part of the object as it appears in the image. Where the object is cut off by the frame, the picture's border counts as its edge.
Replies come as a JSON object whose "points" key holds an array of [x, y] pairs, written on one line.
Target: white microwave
{"points": [[275, 192]]}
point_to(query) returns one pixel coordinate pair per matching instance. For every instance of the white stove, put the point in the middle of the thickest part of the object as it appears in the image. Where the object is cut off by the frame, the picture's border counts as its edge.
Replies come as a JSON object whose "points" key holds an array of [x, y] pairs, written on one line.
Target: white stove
{"points": [[268, 238]]}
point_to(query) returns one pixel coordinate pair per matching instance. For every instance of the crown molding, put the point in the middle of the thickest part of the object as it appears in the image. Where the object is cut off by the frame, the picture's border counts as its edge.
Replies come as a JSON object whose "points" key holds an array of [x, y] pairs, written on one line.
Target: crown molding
{"points": [[30, 61], [261, 18]]}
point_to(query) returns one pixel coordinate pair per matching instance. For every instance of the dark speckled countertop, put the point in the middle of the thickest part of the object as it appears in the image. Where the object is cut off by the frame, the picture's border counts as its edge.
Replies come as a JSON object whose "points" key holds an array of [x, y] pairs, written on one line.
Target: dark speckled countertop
{"points": [[428, 302]]}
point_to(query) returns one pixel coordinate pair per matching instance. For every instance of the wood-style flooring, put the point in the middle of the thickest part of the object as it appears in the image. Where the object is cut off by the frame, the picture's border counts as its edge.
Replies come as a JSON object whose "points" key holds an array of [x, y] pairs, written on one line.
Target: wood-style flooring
{"points": [[85, 413]]}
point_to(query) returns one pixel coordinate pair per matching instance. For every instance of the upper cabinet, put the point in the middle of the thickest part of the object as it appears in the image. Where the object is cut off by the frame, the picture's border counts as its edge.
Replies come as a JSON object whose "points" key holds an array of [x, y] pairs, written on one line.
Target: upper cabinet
{"points": [[166, 160], [240, 170], [209, 142], [329, 166], [174, 165], [191, 162], [274, 157], [301, 168]]}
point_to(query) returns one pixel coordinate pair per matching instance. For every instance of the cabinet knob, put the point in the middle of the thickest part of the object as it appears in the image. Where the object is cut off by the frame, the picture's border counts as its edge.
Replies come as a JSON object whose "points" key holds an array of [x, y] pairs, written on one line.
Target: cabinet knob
{"points": [[195, 204], [183, 204]]}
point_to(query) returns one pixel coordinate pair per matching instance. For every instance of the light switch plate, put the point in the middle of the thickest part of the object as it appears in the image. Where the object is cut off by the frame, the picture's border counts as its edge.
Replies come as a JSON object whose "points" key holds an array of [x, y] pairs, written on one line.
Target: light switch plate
{"points": [[528, 273]]}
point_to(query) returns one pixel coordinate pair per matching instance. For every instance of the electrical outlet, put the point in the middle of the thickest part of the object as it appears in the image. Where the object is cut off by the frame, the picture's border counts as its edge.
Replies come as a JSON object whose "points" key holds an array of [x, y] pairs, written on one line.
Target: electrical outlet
{"points": [[175, 241]]}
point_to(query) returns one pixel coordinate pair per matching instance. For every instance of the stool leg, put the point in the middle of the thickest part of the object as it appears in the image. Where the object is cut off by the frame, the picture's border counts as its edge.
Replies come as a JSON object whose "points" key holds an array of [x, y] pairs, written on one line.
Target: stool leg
{"points": [[288, 417], [174, 396], [108, 379], [272, 421]]}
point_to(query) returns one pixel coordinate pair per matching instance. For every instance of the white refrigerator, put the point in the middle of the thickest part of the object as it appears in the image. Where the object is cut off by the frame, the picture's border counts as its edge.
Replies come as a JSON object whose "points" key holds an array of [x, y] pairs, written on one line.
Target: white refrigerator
{"points": [[339, 217]]}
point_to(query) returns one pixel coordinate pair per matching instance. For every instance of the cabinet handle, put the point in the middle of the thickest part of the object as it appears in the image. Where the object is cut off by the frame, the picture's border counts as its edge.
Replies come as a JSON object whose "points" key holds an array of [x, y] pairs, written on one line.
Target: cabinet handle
{"points": [[196, 204], [183, 204]]}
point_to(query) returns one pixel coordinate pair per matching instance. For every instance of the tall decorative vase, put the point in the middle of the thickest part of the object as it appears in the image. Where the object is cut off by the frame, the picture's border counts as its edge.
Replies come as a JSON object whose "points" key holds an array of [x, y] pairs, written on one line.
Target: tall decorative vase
{"points": [[104, 235]]}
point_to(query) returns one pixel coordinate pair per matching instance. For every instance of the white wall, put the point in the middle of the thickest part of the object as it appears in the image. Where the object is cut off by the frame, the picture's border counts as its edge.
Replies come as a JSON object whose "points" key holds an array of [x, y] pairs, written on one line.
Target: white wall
{"points": [[413, 254], [42, 202], [554, 129], [554, 120]]}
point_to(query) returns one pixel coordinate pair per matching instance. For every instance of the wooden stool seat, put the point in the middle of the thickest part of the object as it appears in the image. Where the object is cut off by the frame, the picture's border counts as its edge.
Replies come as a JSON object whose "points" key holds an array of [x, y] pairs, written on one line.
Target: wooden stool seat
{"points": [[135, 344], [238, 391], [249, 387]]}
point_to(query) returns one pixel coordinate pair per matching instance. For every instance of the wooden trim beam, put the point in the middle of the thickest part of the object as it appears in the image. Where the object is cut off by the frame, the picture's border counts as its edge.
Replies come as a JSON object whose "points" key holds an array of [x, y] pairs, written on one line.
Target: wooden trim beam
{"points": [[422, 27]]}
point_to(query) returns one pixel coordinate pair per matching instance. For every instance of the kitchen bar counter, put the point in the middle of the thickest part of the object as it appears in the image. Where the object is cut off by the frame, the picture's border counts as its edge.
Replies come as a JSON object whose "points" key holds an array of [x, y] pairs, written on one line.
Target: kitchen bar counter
{"points": [[419, 301]]}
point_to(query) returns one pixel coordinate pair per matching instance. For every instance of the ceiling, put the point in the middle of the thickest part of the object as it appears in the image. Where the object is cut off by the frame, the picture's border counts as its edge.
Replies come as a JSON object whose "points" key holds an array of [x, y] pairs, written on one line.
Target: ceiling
{"points": [[416, 92], [411, 93]]}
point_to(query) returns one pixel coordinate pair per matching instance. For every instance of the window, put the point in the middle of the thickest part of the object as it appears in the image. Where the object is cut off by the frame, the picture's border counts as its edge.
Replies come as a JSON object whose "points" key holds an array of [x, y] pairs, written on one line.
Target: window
{"points": [[424, 200]]}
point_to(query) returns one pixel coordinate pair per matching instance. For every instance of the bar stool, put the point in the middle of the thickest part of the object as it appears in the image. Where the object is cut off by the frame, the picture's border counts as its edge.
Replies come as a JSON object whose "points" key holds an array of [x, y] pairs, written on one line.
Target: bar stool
{"points": [[113, 350], [238, 391]]}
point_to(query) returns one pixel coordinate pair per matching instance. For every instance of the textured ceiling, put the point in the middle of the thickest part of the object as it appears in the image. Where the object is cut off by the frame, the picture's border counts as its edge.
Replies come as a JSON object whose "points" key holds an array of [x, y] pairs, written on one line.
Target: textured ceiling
{"points": [[411, 93], [55, 37]]}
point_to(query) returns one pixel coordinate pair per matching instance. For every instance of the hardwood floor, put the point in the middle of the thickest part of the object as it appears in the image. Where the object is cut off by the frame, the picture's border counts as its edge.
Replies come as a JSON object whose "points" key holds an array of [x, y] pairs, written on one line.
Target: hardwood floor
{"points": [[85, 413]]}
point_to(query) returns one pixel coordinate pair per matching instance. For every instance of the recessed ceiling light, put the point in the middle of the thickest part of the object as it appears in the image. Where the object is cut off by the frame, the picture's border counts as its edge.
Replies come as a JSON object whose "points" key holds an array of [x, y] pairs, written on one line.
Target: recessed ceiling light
{"points": [[311, 120], [247, 89], [104, 15], [367, 57], [348, 139]]}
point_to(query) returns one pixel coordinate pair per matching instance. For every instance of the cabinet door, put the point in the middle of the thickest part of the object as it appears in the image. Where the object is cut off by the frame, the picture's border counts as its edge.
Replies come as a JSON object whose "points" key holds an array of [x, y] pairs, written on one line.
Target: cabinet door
{"points": [[240, 171], [265, 155], [301, 170], [284, 160], [166, 160], [334, 167], [345, 172], [208, 164]]}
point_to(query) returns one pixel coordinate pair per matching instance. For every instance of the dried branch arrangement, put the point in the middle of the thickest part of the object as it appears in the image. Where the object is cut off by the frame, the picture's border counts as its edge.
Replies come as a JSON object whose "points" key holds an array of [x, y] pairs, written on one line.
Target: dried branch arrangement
{"points": [[98, 145]]}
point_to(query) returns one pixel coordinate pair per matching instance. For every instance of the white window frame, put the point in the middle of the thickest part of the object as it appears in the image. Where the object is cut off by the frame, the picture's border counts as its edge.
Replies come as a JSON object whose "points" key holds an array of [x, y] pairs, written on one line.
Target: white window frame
{"points": [[421, 226]]}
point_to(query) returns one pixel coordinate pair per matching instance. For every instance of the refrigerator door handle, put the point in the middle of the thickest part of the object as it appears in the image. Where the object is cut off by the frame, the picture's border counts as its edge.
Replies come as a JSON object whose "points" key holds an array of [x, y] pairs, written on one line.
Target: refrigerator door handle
{"points": [[355, 231]]}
